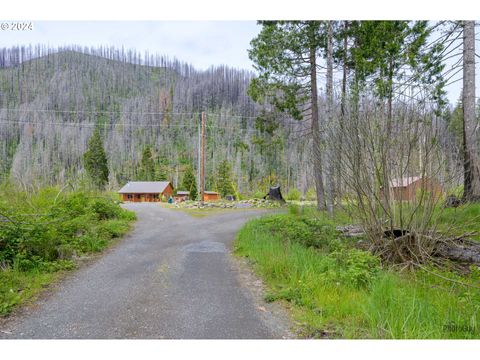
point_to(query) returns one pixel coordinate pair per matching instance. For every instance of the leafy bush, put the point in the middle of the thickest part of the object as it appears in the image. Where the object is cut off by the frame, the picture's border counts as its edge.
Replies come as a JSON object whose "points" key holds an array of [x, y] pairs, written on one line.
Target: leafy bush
{"points": [[293, 194], [356, 267], [258, 194], [105, 209], [311, 195], [50, 226], [308, 231], [289, 228]]}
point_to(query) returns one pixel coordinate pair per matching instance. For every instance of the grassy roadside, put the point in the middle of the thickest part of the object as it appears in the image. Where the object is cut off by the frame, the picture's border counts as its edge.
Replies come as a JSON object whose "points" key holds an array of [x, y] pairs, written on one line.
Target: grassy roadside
{"points": [[335, 290], [45, 234]]}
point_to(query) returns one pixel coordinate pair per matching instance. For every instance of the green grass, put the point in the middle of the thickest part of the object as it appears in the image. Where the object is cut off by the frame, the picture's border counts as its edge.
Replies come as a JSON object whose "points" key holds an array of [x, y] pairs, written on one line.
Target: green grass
{"points": [[18, 287], [41, 235], [460, 220], [334, 290]]}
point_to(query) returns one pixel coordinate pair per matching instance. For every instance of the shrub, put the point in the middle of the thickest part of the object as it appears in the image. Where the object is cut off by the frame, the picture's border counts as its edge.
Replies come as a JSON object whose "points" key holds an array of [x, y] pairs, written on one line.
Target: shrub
{"points": [[64, 224], [356, 267], [293, 194], [311, 194], [259, 194], [105, 208], [288, 227]]}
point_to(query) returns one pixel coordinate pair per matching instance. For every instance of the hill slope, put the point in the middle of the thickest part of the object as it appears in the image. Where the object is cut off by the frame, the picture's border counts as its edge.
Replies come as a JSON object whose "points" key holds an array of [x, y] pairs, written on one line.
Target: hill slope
{"points": [[50, 101]]}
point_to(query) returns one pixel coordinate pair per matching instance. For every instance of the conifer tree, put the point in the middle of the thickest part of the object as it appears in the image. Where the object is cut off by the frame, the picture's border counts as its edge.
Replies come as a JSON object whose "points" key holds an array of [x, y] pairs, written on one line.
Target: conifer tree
{"points": [[95, 161], [147, 171], [189, 182], [224, 179]]}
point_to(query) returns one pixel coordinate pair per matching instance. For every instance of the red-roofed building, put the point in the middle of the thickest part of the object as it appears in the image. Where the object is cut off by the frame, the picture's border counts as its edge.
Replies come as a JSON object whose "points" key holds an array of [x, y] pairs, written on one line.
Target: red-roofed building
{"points": [[406, 188]]}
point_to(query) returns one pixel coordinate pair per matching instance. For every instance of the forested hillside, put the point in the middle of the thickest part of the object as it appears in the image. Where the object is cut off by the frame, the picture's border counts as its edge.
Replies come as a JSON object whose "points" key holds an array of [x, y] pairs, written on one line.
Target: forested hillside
{"points": [[52, 99]]}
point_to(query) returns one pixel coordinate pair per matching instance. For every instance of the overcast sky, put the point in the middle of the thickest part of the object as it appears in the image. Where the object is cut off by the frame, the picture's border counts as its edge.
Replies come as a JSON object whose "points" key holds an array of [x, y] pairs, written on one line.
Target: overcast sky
{"points": [[201, 43]]}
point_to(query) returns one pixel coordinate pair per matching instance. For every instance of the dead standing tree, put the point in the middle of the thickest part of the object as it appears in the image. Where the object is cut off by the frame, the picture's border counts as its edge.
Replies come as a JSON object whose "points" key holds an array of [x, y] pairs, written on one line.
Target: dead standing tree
{"points": [[470, 138]]}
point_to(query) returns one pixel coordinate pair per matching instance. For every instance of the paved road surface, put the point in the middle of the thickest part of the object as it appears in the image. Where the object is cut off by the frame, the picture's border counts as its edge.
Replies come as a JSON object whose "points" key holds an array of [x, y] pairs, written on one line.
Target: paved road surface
{"points": [[172, 277]]}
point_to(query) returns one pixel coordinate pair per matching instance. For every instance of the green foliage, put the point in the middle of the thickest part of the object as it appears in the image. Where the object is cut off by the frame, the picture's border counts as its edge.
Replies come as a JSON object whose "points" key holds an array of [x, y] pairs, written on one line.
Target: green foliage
{"points": [[50, 227], [278, 54], [95, 161], [308, 231], [293, 194], [336, 290], [391, 51], [189, 183], [311, 194], [258, 194], [224, 179], [147, 166], [43, 232], [18, 286]]}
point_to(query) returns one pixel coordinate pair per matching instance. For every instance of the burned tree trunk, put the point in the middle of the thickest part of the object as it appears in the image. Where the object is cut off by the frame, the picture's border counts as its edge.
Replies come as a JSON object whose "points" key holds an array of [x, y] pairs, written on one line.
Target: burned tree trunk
{"points": [[275, 194]]}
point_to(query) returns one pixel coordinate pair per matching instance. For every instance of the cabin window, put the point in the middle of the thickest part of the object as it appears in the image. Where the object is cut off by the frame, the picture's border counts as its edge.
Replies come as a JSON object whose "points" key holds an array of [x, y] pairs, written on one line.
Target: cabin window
{"points": [[129, 196], [155, 196]]}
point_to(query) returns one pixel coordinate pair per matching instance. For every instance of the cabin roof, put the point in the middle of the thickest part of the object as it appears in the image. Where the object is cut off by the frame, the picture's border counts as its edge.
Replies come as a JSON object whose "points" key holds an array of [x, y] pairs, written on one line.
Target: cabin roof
{"points": [[211, 192], [183, 192], [405, 181], [144, 187]]}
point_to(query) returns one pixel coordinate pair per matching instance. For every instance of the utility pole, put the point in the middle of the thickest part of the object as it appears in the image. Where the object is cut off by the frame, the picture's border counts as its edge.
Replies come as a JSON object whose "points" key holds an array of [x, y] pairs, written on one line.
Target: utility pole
{"points": [[199, 161], [202, 167]]}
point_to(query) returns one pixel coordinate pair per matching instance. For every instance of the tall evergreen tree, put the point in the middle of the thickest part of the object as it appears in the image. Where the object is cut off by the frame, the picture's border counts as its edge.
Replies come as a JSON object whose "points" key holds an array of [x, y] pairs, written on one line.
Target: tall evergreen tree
{"points": [[189, 183], [224, 179], [285, 54], [95, 161], [161, 173], [147, 165]]}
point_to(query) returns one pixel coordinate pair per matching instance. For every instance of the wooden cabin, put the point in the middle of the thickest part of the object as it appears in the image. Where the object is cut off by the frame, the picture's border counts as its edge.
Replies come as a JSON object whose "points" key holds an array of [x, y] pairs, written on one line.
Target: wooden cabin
{"points": [[146, 191], [406, 188], [181, 196], [211, 196]]}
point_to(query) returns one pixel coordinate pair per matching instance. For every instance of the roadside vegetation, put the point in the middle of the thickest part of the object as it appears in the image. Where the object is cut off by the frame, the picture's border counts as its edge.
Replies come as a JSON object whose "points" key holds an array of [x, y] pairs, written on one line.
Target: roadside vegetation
{"points": [[336, 288], [42, 234]]}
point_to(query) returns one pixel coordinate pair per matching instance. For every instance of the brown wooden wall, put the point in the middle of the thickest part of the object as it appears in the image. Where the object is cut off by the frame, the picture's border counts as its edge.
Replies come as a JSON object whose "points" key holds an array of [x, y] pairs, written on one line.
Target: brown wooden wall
{"points": [[168, 192], [211, 197], [149, 197], [141, 197], [408, 193]]}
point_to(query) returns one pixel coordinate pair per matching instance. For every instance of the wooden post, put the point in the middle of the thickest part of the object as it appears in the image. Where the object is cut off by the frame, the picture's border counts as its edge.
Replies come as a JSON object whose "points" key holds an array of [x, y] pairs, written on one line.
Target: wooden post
{"points": [[202, 167], [199, 160]]}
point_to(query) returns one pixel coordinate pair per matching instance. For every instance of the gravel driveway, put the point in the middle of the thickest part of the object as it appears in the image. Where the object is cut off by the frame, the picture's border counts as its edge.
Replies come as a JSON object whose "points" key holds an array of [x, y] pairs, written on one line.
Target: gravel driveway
{"points": [[172, 277]]}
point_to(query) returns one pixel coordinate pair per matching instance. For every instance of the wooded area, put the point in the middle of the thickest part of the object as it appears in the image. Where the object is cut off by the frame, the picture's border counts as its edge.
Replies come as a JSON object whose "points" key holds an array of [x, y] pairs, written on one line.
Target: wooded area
{"points": [[346, 123], [51, 100], [342, 107]]}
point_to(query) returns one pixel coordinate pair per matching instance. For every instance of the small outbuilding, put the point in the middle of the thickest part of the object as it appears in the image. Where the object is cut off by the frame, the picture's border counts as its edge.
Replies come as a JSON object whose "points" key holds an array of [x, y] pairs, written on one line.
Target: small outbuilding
{"points": [[211, 196], [146, 191], [406, 188], [181, 196]]}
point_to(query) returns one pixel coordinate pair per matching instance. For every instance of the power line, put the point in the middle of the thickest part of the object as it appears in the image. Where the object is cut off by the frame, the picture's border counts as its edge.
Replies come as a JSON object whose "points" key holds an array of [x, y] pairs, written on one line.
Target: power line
{"points": [[91, 125], [94, 125], [125, 112]]}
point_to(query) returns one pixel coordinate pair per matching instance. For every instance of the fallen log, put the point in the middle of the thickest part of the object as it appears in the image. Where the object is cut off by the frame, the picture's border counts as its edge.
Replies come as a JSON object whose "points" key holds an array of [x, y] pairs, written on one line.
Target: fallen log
{"points": [[464, 251], [459, 249]]}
